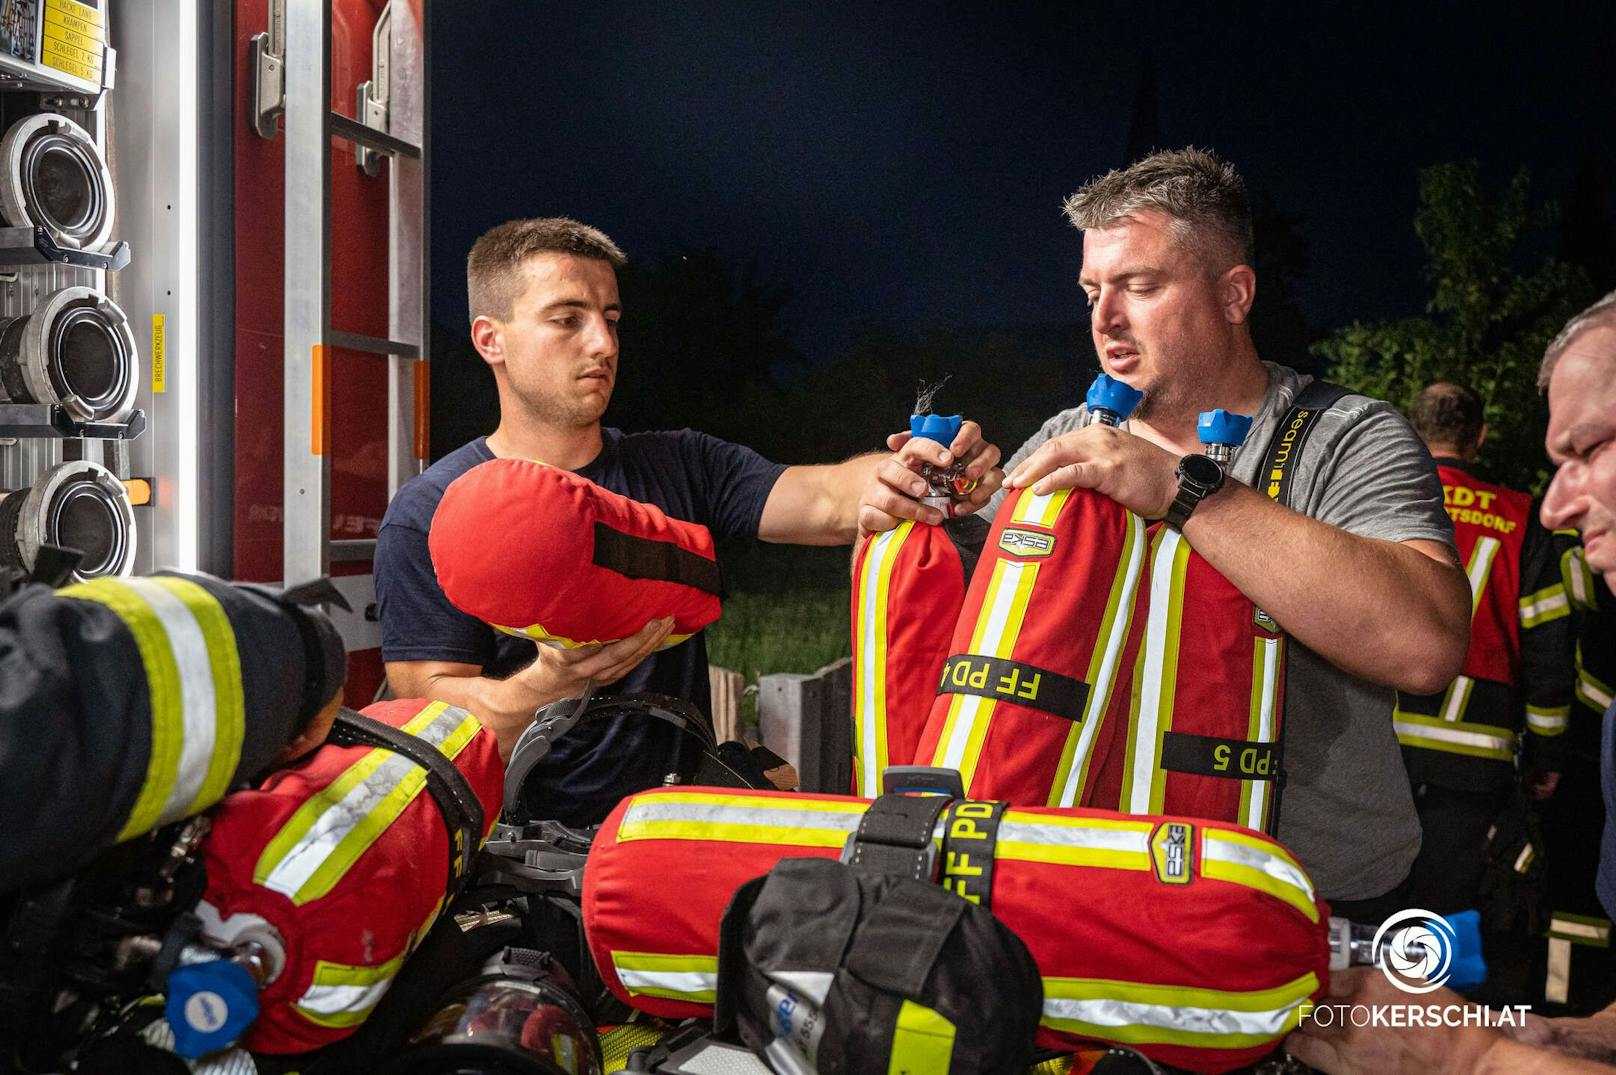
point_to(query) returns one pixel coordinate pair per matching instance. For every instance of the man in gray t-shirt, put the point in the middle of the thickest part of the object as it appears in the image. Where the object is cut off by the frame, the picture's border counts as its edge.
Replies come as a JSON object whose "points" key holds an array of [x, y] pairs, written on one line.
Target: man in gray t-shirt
{"points": [[1360, 571]]}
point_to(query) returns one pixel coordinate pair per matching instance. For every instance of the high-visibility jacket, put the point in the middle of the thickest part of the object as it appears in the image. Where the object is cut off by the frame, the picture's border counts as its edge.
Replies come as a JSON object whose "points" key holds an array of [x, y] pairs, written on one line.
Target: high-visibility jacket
{"points": [[1204, 720], [1040, 666], [514, 543], [347, 857], [1517, 678], [1197, 943], [908, 586], [1595, 627], [127, 704]]}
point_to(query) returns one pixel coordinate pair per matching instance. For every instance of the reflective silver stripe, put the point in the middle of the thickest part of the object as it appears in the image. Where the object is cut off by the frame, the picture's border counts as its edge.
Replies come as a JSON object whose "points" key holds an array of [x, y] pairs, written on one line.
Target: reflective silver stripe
{"points": [[1480, 567], [1215, 850], [1548, 603], [1545, 720], [691, 983], [331, 999], [846, 821], [1457, 698], [198, 702], [971, 705], [1100, 839], [1147, 729], [1183, 1019], [1456, 736], [1593, 692], [1573, 930], [1557, 984], [1257, 802]]}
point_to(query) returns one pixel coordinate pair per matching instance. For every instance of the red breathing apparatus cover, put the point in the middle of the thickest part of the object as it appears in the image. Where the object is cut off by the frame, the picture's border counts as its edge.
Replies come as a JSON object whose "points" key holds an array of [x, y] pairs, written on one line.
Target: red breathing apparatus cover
{"points": [[1039, 670], [540, 553], [345, 856], [1197, 943], [1204, 724], [908, 586]]}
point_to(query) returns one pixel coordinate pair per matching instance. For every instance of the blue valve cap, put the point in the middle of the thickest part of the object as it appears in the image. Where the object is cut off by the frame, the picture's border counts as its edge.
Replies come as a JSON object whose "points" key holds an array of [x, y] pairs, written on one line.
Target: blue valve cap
{"points": [[1221, 427], [209, 1006], [942, 428], [1109, 394], [1469, 968]]}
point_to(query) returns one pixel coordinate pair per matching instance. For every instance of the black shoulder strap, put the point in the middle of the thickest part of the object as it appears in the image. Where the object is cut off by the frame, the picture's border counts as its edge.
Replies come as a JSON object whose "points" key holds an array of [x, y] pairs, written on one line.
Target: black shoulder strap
{"points": [[894, 837], [458, 804], [1290, 436]]}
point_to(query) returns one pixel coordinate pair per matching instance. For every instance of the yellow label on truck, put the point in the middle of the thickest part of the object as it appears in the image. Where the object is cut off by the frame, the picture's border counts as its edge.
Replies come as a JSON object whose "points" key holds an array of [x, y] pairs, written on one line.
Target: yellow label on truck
{"points": [[159, 354], [73, 39]]}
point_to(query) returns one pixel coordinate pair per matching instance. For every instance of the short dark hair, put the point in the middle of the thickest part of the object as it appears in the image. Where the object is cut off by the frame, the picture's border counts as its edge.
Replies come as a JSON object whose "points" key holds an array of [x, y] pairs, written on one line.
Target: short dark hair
{"points": [[494, 266], [1204, 196], [1449, 414], [1598, 315]]}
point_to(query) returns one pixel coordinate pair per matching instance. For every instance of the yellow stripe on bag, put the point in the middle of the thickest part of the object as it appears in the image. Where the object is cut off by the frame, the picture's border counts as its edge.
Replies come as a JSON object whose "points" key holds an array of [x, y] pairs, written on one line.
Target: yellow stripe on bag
{"points": [[1256, 863], [1071, 777], [537, 633], [870, 749], [922, 1041], [1138, 1013], [705, 816], [1104, 843], [672, 977], [342, 995], [1267, 657]]}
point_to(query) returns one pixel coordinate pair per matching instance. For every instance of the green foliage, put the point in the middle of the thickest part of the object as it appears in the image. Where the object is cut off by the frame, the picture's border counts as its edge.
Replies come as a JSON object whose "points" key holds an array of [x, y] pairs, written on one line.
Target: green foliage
{"points": [[1494, 306]]}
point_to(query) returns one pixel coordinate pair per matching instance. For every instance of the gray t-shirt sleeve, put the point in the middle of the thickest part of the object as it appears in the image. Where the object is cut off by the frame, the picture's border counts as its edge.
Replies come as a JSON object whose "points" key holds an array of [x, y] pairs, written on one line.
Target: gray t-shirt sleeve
{"points": [[1379, 482]]}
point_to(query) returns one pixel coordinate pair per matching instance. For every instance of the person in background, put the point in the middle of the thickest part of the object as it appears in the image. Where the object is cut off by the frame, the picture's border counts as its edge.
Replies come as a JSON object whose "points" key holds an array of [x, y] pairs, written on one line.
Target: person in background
{"points": [[1579, 372]]}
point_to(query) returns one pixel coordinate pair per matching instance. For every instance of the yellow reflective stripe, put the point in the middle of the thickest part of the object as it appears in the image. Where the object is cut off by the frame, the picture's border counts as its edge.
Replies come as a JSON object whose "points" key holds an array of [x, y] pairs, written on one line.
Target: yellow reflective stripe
{"points": [[1251, 861], [1577, 576], [193, 681], [1580, 929], [1592, 691], [1548, 720], [1116, 844], [537, 633], [922, 1041], [1138, 1013], [328, 832], [805, 823], [1267, 657], [1545, 606], [1456, 737], [998, 625], [870, 666], [342, 996], [673, 977], [1456, 699], [1143, 784], [1040, 510], [1071, 775], [1479, 568]]}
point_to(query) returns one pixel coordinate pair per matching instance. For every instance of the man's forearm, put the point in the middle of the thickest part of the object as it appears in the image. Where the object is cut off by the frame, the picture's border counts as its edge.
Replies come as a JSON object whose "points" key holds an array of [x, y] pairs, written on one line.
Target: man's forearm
{"points": [[818, 505], [1377, 609]]}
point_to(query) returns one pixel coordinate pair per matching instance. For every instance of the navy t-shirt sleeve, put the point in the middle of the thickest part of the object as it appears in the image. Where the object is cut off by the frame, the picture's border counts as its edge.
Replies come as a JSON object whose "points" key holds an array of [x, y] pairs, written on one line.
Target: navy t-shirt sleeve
{"points": [[733, 480], [418, 622]]}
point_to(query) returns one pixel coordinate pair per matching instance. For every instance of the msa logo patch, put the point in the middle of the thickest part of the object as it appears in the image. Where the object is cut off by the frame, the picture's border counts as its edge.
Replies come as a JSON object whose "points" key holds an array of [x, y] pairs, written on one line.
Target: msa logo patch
{"points": [[1264, 620], [1170, 852], [1032, 544]]}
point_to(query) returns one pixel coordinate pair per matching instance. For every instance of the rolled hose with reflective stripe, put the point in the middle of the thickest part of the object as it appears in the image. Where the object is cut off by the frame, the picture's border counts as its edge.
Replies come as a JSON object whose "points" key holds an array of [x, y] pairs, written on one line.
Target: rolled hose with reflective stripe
{"points": [[77, 505], [1197, 943], [55, 177], [541, 553], [75, 349]]}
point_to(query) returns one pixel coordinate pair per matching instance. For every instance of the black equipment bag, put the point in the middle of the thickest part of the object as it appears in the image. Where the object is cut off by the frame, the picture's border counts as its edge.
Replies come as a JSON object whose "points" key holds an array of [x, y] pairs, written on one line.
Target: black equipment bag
{"points": [[867, 965]]}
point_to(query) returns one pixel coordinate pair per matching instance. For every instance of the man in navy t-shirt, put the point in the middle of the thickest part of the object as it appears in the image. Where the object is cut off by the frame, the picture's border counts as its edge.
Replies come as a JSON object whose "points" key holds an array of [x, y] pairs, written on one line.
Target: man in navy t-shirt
{"points": [[544, 307]]}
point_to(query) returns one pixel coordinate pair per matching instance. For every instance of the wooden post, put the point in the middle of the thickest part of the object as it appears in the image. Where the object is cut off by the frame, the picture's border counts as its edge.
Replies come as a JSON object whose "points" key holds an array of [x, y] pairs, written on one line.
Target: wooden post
{"points": [[808, 720]]}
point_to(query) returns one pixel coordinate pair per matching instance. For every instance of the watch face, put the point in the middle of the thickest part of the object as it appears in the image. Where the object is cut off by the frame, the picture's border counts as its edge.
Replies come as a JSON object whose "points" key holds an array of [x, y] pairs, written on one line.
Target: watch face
{"points": [[1201, 470]]}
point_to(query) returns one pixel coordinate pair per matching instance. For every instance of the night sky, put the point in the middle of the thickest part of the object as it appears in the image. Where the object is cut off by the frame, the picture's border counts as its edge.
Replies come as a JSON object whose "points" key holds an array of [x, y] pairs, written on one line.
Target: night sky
{"points": [[904, 164]]}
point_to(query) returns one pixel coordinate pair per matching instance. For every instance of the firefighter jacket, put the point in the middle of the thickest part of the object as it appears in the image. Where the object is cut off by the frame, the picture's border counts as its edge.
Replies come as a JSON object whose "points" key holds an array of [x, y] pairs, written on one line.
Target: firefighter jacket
{"points": [[1198, 943], [1513, 696], [127, 704], [346, 857], [1594, 648]]}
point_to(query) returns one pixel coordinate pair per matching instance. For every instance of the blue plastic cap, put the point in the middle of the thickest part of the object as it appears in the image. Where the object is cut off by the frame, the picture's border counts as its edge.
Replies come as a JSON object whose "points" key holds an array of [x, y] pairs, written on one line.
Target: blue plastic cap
{"points": [[1109, 394], [1469, 968], [942, 428], [209, 1006], [1221, 427]]}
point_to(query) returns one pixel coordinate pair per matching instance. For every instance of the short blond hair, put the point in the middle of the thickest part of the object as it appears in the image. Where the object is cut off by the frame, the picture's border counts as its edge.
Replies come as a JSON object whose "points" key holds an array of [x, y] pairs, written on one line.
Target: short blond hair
{"points": [[494, 266], [1204, 197], [1598, 315]]}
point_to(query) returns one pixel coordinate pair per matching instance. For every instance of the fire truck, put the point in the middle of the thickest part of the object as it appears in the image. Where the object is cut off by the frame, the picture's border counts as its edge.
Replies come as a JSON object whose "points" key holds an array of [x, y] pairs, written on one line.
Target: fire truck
{"points": [[212, 283]]}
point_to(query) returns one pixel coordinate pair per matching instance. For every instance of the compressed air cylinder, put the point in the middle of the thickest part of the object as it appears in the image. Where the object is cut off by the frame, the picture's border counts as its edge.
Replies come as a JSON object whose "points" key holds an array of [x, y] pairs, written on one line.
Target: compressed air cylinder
{"points": [[1196, 943], [1204, 718], [343, 860], [541, 553], [1040, 666]]}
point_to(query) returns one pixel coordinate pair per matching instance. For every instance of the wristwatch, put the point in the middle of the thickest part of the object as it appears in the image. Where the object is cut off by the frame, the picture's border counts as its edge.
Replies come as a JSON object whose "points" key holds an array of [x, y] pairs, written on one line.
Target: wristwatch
{"points": [[1198, 478]]}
